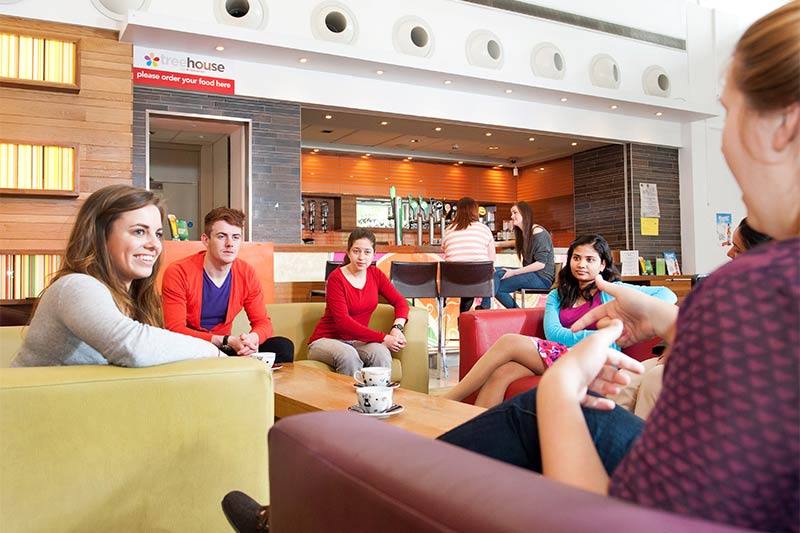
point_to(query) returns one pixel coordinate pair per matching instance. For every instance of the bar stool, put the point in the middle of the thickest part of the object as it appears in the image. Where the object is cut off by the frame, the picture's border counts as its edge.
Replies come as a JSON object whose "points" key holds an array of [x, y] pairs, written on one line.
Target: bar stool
{"points": [[462, 279], [523, 292], [415, 280], [330, 266]]}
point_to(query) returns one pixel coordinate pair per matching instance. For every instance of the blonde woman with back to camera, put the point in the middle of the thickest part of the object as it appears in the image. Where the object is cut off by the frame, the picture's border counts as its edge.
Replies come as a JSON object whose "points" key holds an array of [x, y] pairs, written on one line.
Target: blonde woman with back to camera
{"points": [[101, 307], [722, 442]]}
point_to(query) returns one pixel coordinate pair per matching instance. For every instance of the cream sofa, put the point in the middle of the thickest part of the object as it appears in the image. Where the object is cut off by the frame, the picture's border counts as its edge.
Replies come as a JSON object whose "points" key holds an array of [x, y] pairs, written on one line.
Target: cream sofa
{"points": [[100, 448], [296, 321]]}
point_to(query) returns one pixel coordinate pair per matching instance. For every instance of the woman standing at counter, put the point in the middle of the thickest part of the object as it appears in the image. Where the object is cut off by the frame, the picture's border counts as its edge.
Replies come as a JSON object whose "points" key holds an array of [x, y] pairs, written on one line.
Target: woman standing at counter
{"points": [[534, 247], [343, 339], [467, 239]]}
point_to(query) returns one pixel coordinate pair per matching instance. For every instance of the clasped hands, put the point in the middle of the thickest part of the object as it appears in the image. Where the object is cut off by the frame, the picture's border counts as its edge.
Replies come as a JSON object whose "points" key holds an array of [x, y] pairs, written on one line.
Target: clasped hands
{"points": [[244, 344], [591, 364], [395, 340]]}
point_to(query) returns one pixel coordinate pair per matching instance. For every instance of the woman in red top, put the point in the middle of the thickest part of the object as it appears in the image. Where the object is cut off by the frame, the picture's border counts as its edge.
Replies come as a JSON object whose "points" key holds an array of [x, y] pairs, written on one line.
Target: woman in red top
{"points": [[343, 339]]}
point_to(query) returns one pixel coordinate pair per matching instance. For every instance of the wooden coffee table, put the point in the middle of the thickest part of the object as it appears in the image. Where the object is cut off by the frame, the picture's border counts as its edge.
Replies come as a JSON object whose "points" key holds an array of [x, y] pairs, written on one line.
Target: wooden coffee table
{"points": [[303, 389]]}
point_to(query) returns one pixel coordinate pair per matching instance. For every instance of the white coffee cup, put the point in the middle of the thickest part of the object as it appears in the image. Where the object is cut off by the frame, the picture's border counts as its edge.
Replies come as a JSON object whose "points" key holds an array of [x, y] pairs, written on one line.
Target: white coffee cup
{"points": [[374, 376], [268, 358], [374, 399]]}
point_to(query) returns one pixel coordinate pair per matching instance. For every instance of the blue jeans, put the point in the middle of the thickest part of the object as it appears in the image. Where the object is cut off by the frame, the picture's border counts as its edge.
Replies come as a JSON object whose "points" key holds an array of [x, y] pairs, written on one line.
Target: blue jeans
{"points": [[509, 433], [504, 288]]}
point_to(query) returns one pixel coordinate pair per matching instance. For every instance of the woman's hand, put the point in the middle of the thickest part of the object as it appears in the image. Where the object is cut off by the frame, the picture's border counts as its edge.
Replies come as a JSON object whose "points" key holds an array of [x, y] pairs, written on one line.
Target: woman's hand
{"points": [[394, 343], [508, 273], [591, 365], [643, 316]]}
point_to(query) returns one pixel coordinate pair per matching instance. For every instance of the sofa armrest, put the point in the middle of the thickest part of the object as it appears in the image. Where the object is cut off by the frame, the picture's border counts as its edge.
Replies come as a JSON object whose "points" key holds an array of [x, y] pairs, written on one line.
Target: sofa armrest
{"points": [[478, 330], [368, 475], [104, 448]]}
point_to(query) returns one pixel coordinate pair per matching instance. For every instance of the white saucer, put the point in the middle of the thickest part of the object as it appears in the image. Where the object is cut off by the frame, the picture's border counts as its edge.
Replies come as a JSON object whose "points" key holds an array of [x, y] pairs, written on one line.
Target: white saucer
{"points": [[397, 410], [276, 367], [392, 385]]}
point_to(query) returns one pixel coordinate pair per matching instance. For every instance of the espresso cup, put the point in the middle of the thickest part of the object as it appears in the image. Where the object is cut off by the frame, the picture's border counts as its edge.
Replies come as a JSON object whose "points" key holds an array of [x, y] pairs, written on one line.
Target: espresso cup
{"points": [[374, 399], [374, 376], [268, 358]]}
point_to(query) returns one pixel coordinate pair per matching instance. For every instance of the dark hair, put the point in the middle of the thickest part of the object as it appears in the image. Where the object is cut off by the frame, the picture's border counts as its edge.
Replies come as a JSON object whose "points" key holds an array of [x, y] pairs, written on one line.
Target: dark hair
{"points": [[750, 237], [466, 213], [765, 66], [87, 250], [568, 288], [234, 217], [523, 238], [356, 234]]}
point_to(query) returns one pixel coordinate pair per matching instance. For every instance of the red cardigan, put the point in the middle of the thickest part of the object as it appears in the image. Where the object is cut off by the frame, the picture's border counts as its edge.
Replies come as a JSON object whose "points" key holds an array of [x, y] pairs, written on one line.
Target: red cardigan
{"points": [[182, 299], [348, 310]]}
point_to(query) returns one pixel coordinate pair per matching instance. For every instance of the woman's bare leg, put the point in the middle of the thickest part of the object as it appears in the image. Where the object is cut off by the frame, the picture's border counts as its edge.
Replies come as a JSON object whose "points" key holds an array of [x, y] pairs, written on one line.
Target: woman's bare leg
{"points": [[509, 347], [494, 390]]}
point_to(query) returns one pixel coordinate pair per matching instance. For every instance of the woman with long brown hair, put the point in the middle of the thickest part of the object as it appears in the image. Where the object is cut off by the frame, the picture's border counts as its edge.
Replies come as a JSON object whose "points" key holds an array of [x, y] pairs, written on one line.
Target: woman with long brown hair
{"points": [[467, 239], [101, 307], [534, 247]]}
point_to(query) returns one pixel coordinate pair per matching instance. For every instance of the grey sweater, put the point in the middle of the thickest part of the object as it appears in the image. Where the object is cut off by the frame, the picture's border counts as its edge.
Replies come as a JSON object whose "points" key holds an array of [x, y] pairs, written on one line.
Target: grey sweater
{"points": [[78, 323]]}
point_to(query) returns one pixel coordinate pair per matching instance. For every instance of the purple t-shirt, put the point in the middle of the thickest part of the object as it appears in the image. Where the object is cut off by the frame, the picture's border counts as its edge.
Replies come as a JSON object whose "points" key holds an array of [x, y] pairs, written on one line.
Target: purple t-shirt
{"points": [[723, 442], [571, 315], [215, 302]]}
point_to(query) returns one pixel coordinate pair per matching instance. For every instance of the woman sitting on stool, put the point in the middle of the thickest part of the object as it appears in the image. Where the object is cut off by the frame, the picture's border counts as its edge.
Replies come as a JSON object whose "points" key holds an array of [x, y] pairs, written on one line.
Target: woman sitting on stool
{"points": [[342, 338], [534, 248]]}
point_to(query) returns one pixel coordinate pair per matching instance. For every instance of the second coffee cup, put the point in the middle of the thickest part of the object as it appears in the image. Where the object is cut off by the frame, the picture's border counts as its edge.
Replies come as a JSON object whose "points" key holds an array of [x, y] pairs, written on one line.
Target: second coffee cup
{"points": [[374, 376]]}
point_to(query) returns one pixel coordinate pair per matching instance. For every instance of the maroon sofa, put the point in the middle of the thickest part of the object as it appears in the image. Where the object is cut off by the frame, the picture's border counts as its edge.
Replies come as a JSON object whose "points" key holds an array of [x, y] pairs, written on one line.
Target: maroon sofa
{"points": [[338, 471], [478, 330]]}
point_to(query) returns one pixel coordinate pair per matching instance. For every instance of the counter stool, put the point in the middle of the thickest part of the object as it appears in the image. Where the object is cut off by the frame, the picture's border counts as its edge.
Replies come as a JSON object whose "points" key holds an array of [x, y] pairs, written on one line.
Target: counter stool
{"points": [[415, 280], [330, 266], [464, 280]]}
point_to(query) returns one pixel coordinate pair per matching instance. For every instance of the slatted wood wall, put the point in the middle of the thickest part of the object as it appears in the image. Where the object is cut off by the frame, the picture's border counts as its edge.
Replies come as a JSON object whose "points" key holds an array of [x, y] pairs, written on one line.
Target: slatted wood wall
{"points": [[373, 177], [99, 118], [551, 195]]}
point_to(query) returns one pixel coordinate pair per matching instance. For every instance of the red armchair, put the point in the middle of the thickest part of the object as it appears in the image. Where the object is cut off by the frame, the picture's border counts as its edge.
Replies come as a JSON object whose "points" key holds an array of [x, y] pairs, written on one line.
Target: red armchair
{"points": [[478, 330]]}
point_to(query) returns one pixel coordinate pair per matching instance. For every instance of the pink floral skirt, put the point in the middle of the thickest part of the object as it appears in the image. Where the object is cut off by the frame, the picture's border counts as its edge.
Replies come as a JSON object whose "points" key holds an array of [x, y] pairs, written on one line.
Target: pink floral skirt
{"points": [[549, 350]]}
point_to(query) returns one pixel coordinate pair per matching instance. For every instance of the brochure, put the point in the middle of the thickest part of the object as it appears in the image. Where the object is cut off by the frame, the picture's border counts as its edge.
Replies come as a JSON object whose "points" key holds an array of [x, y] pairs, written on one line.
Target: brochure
{"points": [[673, 269]]}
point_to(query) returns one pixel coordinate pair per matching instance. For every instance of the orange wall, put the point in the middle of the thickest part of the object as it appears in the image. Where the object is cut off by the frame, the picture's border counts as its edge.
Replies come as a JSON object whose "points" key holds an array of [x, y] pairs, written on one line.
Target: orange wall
{"points": [[372, 177], [550, 193]]}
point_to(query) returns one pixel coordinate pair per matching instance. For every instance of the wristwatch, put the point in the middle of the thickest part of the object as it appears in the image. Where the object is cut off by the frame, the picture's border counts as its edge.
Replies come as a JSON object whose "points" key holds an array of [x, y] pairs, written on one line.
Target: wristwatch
{"points": [[225, 341], [398, 327]]}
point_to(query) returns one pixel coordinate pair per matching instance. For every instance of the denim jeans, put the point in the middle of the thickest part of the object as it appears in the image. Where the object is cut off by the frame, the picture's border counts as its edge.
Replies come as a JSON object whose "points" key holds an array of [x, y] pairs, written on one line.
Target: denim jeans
{"points": [[504, 288], [509, 433]]}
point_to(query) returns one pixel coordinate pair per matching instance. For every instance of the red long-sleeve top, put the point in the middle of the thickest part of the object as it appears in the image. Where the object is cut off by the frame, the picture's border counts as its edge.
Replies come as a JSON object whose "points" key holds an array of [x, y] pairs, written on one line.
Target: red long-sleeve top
{"points": [[182, 299], [348, 310]]}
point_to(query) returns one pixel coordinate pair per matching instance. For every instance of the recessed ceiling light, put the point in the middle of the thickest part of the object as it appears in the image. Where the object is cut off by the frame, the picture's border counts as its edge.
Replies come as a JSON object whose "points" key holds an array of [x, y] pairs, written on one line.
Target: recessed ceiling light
{"points": [[384, 122], [367, 155], [328, 117], [201, 136], [448, 82], [438, 128], [379, 72], [574, 144], [315, 150], [414, 140], [659, 113], [541, 168], [614, 107], [303, 59], [494, 148], [500, 166], [409, 158], [219, 48], [495, 167], [488, 133], [509, 91], [531, 139], [564, 99], [420, 181], [460, 162]]}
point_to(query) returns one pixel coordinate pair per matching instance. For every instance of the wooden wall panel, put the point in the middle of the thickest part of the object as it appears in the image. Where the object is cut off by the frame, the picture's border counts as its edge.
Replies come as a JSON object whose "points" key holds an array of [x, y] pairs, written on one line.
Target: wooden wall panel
{"points": [[99, 119], [550, 193], [372, 177]]}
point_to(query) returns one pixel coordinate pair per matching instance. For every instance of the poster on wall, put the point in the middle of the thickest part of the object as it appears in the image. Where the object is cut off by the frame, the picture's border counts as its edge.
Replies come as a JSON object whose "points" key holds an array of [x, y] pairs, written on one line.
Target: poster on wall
{"points": [[183, 70], [648, 198], [724, 230]]}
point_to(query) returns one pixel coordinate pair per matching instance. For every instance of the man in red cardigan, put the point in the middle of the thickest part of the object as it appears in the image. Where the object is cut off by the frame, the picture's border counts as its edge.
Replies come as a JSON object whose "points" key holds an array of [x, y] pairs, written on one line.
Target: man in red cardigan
{"points": [[204, 292]]}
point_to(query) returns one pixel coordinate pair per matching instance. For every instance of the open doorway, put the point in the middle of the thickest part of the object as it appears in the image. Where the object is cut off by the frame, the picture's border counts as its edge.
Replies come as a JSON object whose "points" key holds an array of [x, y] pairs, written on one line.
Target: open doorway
{"points": [[198, 162]]}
